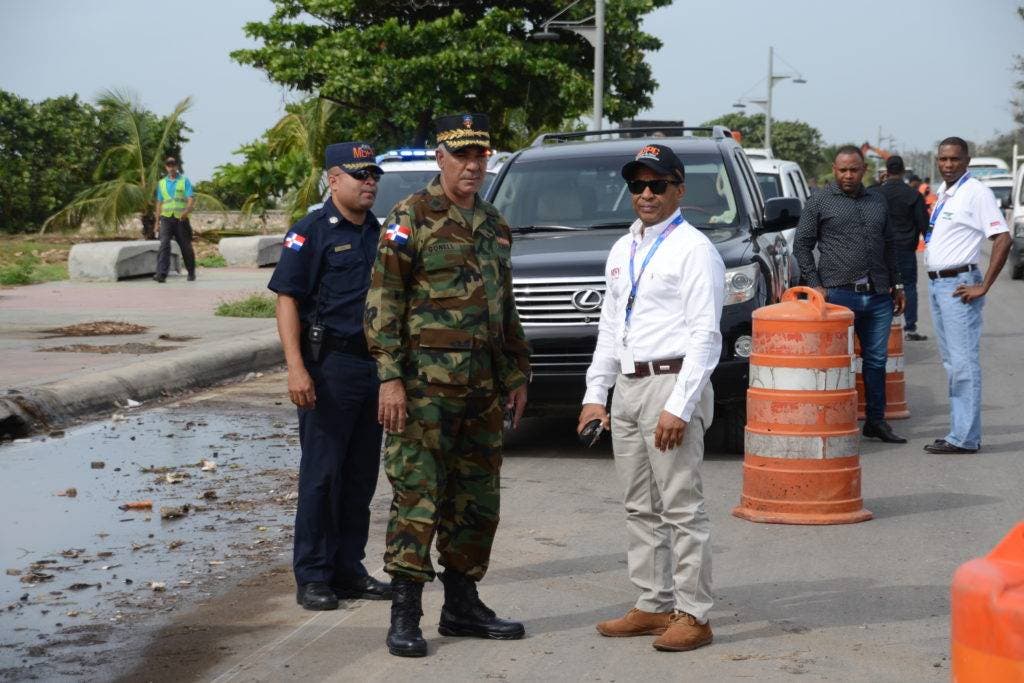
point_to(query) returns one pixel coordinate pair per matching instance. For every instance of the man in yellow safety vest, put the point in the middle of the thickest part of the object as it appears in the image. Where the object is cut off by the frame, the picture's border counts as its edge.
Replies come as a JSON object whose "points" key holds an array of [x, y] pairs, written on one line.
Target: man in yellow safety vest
{"points": [[174, 202]]}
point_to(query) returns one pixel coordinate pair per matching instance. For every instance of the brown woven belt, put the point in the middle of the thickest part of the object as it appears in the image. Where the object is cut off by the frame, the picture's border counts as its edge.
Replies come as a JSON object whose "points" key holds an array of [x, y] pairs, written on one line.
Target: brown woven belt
{"points": [[671, 366]]}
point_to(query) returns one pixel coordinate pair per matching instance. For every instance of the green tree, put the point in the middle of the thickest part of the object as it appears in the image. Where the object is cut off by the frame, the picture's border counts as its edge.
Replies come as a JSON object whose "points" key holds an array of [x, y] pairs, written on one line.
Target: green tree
{"points": [[125, 179], [392, 66], [48, 151], [791, 140], [302, 134], [258, 183]]}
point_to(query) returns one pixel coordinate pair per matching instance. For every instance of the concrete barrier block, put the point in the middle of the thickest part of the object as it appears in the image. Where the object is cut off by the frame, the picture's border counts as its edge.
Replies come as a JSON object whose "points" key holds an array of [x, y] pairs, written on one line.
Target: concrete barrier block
{"points": [[112, 261], [258, 250]]}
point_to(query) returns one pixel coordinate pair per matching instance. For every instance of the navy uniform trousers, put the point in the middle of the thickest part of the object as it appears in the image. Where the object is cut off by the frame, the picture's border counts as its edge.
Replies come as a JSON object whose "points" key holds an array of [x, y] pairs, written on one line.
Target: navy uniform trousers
{"points": [[340, 440]]}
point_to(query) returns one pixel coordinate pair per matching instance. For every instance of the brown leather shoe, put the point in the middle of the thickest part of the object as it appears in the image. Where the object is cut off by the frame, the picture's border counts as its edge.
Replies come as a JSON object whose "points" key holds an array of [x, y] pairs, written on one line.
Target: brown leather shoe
{"points": [[636, 622], [684, 633]]}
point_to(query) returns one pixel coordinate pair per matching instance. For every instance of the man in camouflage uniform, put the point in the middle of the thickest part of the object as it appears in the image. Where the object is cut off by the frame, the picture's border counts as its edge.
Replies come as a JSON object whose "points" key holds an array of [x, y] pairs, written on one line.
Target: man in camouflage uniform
{"points": [[442, 325]]}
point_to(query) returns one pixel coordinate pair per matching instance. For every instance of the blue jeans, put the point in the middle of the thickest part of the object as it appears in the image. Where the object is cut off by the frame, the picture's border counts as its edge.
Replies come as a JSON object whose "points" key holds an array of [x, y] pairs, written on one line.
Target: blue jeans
{"points": [[906, 262], [872, 317], [958, 327]]}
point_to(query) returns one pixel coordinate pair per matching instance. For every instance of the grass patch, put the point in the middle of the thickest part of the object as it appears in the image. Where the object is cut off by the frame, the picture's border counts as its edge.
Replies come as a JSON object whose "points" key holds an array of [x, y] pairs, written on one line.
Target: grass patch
{"points": [[252, 306], [28, 260], [27, 269], [211, 261]]}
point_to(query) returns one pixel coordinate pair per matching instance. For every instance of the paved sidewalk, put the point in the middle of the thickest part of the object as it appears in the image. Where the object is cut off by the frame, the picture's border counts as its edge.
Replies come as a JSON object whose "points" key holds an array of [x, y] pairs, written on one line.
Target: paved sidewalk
{"points": [[176, 308]]}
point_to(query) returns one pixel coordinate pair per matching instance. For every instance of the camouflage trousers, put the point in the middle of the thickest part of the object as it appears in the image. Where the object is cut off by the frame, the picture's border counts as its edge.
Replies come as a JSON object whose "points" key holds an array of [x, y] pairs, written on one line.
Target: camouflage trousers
{"points": [[445, 471]]}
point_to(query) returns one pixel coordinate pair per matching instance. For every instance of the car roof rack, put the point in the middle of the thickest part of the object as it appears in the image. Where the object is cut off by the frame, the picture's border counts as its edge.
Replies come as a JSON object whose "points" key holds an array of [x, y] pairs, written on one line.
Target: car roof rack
{"points": [[717, 133]]}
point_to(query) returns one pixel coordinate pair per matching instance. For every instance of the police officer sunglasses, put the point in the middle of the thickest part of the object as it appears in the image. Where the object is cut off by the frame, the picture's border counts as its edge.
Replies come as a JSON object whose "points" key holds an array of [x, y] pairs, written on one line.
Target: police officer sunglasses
{"points": [[657, 186], [364, 173]]}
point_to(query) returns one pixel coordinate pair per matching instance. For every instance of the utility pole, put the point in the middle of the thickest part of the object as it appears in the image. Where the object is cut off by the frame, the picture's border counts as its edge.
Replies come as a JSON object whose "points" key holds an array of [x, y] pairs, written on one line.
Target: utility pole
{"points": [[768, 104], [598, 63]]}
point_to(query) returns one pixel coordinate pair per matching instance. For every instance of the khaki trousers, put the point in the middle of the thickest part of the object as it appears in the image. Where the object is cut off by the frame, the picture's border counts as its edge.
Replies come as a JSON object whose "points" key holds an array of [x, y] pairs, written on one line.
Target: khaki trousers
{"points": [[669, 555]]}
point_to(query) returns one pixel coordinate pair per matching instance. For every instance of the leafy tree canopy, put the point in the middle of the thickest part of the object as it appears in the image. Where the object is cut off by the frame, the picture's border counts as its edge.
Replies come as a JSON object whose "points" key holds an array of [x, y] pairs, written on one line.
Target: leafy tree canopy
{"points": [[392, 66]]}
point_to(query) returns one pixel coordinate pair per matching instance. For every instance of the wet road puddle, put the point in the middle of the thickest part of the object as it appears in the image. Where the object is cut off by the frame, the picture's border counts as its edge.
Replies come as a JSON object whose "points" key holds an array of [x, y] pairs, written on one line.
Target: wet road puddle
{"points": [[77, 567]]}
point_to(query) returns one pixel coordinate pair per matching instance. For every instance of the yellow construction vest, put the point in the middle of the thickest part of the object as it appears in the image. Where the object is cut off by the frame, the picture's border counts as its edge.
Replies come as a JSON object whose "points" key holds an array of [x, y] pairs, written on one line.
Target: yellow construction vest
{"points": [[172, 206]]}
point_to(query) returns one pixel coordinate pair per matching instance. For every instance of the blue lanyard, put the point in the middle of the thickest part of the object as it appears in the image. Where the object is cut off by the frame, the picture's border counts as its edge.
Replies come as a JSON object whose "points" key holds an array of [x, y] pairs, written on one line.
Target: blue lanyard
{"points": [[635, 279], [938, 207]]}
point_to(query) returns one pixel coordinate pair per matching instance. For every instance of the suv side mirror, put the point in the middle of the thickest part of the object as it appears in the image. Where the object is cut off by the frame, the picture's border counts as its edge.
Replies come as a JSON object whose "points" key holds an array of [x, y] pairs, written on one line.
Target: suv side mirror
{"points": [[781, 213]]}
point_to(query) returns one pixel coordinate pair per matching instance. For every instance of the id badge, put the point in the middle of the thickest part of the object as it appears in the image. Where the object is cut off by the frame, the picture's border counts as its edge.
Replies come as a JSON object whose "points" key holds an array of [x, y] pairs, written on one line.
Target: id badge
{"points": [[626, 362]]}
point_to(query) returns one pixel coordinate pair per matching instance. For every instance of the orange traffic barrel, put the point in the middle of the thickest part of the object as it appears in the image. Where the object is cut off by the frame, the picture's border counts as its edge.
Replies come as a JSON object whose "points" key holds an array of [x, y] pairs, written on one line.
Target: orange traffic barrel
{"points": [[895, 379], [802, 448], [988, 615]]}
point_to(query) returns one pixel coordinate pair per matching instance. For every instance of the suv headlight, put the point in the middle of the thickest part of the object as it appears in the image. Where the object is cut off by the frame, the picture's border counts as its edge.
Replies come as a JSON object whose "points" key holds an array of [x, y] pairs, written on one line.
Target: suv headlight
{"points": [[1018, 227], [740, 284]]}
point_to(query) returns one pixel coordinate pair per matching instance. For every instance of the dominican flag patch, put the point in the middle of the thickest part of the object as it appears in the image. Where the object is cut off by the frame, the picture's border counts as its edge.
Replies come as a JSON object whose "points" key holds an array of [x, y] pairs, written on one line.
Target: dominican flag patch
{"points": [[399, 234], [294, 241]]}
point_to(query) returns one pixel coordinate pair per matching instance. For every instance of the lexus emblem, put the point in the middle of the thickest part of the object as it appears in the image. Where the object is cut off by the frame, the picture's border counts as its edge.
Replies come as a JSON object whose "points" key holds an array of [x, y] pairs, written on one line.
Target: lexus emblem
{"points": [[587, 300]]}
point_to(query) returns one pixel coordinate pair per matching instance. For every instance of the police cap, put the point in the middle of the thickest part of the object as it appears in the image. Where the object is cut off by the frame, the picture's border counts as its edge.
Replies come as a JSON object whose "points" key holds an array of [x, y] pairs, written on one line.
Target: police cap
{"points": [[463, 130], [351, 157]]}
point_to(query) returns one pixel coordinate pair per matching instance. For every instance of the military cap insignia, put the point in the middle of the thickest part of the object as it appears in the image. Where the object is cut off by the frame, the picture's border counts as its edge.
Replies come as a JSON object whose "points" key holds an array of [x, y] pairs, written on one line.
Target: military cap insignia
{"points": [[467, 121]]}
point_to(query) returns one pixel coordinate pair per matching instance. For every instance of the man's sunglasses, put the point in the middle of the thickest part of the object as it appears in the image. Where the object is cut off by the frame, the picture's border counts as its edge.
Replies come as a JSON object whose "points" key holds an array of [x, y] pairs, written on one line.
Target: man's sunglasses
{"points": [[365, 173], [657, 186]]}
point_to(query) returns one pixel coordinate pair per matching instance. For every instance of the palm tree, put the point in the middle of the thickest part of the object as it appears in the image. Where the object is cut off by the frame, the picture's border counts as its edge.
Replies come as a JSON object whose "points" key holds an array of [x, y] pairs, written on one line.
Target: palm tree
{"points": [[306, 129], [127, 174]]}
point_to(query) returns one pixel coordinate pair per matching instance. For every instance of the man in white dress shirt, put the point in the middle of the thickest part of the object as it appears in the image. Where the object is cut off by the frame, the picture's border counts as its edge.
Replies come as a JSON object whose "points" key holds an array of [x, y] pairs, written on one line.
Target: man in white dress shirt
{"points": [[965, 213], [657, 344]]}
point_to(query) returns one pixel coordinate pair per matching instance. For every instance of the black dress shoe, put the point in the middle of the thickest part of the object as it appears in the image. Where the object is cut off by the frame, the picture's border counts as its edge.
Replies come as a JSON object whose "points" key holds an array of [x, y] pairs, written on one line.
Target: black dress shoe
{"points": [[191, 277], [914, 336], [882, 430], [316, 596], [362, 588], [159, 278], [943, 447], [465, 614]]}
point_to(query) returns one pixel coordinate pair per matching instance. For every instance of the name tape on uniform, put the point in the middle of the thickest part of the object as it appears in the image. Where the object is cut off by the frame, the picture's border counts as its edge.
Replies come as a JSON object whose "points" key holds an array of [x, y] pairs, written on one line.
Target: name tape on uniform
{"points": [[342, 247]]}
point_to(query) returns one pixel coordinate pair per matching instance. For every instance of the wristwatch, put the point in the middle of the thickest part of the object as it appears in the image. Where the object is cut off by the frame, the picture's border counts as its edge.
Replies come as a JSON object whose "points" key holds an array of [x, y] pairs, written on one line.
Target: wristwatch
{"points": [[898, 288]]}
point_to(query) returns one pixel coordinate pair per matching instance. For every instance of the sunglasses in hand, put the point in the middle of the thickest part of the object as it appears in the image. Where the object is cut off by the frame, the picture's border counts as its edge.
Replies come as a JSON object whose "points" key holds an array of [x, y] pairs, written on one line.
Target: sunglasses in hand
{"points": [[657, 186]]}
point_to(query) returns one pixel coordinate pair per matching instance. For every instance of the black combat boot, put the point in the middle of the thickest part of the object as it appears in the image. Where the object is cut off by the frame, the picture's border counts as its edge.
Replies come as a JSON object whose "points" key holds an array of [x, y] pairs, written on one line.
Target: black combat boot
{"points": [[464, 614], [405, 639]]}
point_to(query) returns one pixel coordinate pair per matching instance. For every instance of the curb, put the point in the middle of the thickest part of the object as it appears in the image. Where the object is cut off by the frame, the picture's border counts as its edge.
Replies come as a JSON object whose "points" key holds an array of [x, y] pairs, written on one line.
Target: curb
{"points": [[31, 409]]}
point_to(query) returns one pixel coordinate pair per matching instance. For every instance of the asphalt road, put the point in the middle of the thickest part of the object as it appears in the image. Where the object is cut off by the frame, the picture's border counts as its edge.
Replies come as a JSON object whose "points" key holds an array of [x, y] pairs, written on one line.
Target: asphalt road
{"points": [[864, 602]]}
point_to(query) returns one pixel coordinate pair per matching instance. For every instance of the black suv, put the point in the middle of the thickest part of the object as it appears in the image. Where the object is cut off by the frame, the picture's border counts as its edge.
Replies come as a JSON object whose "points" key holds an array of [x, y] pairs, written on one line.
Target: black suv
{"points": [[567, 204]]}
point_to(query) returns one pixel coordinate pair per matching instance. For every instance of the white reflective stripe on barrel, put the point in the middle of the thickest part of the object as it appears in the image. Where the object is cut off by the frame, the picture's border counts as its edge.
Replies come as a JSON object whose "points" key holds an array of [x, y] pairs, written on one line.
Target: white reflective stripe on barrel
{"points": [[800, 379], [801, 447], [892, 364]]}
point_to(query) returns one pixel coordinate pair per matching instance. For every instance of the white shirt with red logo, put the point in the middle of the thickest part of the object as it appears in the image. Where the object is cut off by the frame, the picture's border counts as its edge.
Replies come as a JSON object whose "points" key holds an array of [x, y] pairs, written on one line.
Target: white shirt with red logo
{"points": [[969, 215], [677, 312]]}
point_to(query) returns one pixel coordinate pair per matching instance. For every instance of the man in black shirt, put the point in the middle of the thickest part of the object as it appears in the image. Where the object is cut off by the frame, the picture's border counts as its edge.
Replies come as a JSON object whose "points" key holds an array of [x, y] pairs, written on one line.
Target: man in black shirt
{"points": [[908, 221], [856, 269]]}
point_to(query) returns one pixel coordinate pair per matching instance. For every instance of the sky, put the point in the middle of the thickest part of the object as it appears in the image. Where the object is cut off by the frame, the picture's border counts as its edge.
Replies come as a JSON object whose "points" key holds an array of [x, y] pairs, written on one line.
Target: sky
{"points": [[919, 70]]}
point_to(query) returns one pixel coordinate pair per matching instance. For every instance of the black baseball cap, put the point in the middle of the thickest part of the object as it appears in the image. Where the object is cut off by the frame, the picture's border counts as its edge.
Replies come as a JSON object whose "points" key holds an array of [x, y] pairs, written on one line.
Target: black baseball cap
{"points": [[894, 165], [170, 161], [351, 157], [659, 158]]}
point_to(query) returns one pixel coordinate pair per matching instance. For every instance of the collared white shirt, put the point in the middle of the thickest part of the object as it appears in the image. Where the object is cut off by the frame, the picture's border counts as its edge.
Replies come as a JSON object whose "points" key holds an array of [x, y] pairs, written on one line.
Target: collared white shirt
{"points": [[969, 215], [677, 312]]}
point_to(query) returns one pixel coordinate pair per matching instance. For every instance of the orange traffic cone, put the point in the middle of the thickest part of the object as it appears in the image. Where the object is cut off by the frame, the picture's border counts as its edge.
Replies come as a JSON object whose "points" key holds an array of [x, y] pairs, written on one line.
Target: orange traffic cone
{"points": [[802, 459], [895, 379], [988, 615]]}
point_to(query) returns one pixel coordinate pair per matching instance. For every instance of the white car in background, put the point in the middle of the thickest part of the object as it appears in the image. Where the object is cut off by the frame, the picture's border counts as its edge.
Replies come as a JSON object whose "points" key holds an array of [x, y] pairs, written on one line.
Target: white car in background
{"points": [[779, 178], [984, 167]]}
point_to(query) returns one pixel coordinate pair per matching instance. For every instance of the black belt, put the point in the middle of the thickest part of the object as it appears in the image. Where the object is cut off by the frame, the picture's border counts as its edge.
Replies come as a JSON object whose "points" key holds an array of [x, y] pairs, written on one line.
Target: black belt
{"points": [[671, 366], [354, 346], [862, 288], [951, 272]]}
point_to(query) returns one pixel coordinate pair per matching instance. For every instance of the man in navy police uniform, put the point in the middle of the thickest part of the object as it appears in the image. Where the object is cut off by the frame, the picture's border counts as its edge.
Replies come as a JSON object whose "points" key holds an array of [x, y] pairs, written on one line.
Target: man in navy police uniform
{"points": [[321, 283]]}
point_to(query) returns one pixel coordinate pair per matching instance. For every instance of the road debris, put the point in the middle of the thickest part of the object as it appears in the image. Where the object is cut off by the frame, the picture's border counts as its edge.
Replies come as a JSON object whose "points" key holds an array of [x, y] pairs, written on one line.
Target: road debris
{"points": [[97, 464], [174, 511], [70, 492], [99, 328], [208, 466], [136, 505], [208, 495], [176, 477], [157, 586], [176, 543]]}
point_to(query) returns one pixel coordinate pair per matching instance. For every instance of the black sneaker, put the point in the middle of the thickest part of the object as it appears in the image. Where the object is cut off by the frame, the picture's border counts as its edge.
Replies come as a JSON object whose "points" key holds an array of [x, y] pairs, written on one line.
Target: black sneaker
{"points": [[191, 277], [914, 336]]}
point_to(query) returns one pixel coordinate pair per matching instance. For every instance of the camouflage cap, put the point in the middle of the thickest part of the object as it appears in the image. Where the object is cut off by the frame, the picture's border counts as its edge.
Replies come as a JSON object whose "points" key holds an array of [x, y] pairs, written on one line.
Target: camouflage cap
{"points": [[463, 130]]}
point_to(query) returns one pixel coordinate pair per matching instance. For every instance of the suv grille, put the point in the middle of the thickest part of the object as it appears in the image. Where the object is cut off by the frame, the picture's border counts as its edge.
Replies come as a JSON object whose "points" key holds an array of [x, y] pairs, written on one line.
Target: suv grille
{"points": [[559, 301]]}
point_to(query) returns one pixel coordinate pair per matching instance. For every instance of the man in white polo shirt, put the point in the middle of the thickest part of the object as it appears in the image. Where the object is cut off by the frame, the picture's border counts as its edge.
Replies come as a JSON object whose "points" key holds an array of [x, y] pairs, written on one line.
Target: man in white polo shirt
{"points": [[965, 212], [657, 344]]}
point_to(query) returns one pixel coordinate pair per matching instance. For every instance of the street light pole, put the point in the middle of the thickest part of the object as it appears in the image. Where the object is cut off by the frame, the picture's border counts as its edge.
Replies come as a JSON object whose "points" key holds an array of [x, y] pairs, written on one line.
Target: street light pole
{"points": [[768, 105], [598, 63]]}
